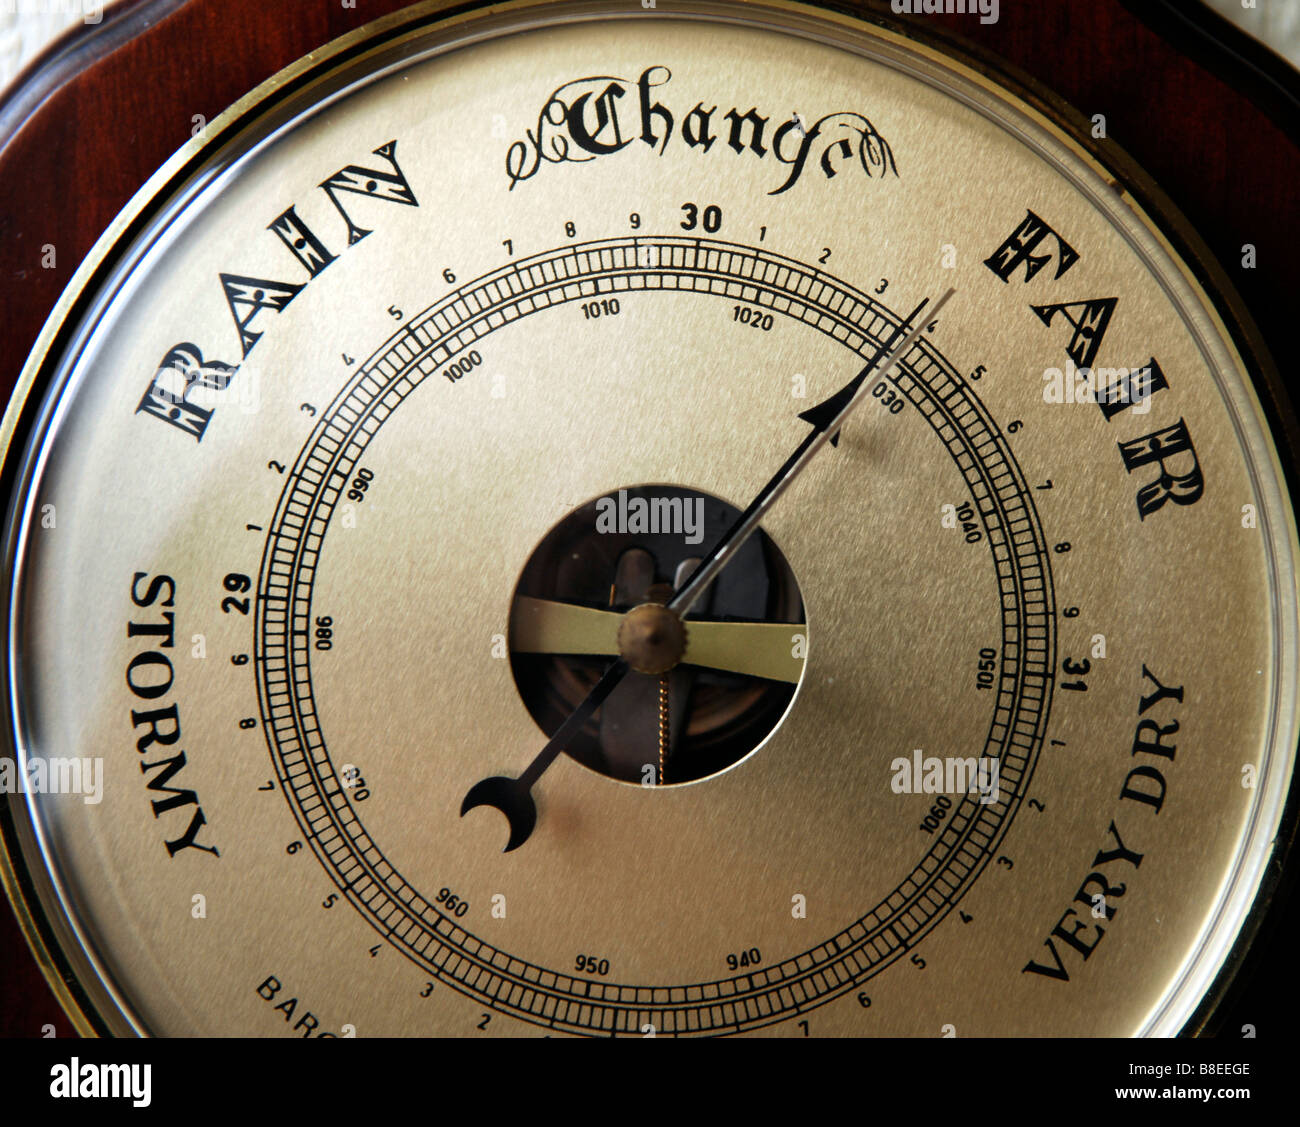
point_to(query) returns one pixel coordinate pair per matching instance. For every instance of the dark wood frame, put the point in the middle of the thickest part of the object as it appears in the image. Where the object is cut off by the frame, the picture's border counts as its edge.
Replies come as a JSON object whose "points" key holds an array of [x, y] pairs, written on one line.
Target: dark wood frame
{"points": [[1198, 108]]}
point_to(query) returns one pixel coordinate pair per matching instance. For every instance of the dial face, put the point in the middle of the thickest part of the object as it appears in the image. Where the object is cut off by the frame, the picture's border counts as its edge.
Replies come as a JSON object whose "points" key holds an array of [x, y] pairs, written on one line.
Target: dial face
{"points": [[410, 401]]}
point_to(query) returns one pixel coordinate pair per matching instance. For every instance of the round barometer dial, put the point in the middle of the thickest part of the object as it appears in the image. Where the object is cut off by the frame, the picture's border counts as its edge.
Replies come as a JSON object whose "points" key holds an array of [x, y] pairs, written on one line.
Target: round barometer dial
{"points": [[514, 534]]}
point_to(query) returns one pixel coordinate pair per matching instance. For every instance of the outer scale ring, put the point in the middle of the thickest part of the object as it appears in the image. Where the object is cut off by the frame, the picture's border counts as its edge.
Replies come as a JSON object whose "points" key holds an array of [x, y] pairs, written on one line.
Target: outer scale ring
{"points": [[433, 939]]}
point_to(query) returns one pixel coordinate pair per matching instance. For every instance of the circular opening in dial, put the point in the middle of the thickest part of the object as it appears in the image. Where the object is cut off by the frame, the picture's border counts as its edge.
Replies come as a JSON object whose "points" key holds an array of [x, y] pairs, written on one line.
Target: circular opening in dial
{"points": [[586, 596]]}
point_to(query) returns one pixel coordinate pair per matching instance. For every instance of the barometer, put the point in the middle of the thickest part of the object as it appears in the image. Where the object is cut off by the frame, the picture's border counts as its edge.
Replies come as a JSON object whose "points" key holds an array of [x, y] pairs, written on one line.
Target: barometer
{"points": [[621, 520]]}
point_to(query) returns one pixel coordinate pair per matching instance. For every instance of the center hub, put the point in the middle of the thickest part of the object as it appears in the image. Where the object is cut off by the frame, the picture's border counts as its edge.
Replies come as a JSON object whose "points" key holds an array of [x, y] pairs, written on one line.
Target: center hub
{"points": [[651, 638]]}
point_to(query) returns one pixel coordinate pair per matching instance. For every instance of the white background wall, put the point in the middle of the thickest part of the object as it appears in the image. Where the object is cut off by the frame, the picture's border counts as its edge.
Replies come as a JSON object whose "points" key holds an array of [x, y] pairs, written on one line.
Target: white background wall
{"points": [[1277, 22], [28, 25]]}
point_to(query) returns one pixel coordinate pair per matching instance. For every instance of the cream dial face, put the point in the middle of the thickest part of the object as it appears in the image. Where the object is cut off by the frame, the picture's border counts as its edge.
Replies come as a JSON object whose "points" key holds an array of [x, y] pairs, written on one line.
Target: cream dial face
{"points": [[366, 447]]}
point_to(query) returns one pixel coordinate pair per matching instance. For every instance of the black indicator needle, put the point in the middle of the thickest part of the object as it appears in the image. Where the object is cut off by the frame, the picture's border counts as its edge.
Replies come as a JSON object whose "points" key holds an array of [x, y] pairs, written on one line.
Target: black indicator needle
{"points": [[827, 419], [513, 796]]}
